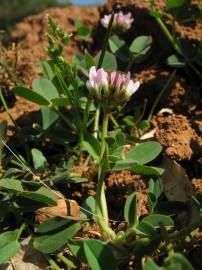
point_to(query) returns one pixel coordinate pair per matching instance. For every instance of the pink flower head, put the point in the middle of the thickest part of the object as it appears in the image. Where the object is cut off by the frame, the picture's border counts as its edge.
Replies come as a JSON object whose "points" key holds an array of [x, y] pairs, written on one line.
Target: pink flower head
{"points": [[122, 22], [112, 88]]}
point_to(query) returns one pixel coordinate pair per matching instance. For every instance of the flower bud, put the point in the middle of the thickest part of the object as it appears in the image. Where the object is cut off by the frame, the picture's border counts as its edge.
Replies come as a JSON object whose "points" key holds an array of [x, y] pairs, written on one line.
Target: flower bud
{"points": [[121, 23]]}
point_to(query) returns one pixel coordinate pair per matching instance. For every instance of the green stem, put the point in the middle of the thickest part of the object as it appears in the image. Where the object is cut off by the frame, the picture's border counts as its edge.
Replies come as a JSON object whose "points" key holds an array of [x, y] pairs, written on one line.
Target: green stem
{"points": [[84, 122], [129, 65], [6, 108], [52, 263], [63, 84], [168, 35], [22, 227], [101, 205], [113, 120], [160, 94], [96, 122], [66, 261], [106, 39], [101, 174]]}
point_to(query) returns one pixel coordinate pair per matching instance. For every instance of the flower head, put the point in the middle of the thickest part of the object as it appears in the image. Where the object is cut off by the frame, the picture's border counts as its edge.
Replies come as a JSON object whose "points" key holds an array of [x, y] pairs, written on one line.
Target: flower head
{"points": [[122, 22], [110, 89]]}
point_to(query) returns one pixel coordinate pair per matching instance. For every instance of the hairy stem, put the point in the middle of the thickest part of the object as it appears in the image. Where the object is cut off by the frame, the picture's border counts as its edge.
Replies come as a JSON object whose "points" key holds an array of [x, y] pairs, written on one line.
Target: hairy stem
{"points": [[96, 122], [66, 261], [52, 263], [101, 205]]}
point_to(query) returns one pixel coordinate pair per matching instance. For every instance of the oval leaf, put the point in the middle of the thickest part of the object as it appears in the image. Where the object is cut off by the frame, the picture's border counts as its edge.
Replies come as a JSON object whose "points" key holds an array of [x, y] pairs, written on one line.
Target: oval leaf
{"points": [[151, 265], [141, 46], [119, 47], [91, 145], [145, 152], [60, 102], [39, 160], [177, 259], [130, 210], [30, 95], [123, 165], [95, 250], [146, 170], [91, 258], [45, 88], [174, 61], [11, 184], [156, 220], [109, 61], [42, 195], [49, 243], [9, 245], [145, 229]]}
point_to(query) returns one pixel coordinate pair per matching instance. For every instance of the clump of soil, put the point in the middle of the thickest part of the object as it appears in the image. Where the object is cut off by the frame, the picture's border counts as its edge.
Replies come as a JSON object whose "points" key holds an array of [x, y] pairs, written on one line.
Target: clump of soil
{"points": [[119, 186], [179, 139], [197, 121], [197, 182]]}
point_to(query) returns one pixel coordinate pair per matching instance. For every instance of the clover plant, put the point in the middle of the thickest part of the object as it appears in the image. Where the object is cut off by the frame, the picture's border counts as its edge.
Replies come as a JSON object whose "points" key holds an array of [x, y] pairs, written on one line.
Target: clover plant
{"points": [[77, 102]]}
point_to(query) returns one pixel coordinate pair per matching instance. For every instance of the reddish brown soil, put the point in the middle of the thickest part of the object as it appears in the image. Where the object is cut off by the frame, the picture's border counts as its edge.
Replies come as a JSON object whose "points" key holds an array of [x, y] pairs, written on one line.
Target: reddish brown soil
{"points": [[177, 136]]}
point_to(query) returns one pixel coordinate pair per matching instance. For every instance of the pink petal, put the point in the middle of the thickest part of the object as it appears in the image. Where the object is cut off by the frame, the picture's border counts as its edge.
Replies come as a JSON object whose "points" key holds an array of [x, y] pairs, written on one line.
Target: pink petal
{"points": [[92, 73], [127, 79], [105, 20], [119, 80], [101, 78], [132, 87], [113, 77]]}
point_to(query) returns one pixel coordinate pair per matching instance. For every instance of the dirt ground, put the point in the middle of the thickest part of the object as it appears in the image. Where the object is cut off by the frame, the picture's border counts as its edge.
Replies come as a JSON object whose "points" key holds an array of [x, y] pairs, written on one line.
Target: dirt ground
{"points": [[178, 129]]}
